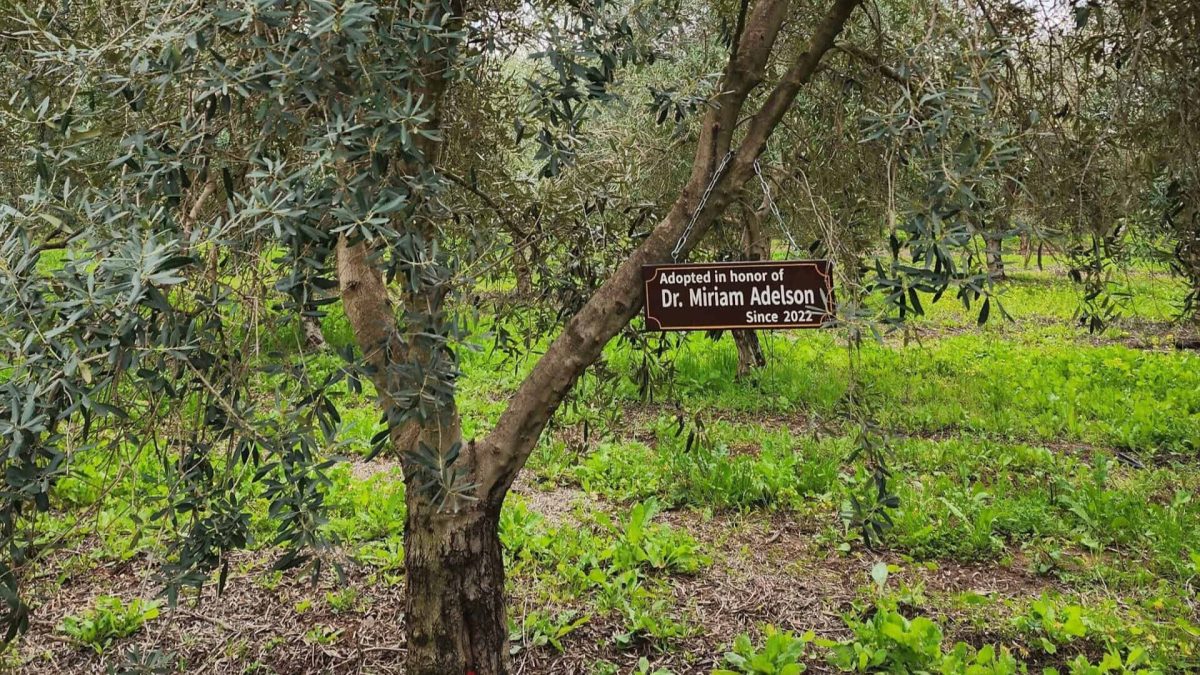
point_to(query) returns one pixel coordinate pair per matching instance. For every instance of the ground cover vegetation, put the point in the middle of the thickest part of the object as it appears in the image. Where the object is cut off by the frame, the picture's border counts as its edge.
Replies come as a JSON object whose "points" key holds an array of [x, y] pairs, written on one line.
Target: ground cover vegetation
{"points": [[321, 350]]}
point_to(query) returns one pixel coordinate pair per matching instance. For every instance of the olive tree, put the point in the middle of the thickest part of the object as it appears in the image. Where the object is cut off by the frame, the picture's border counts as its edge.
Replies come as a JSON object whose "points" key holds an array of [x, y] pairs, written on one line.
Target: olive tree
{"points": [[186, 155], [1111, 158]]}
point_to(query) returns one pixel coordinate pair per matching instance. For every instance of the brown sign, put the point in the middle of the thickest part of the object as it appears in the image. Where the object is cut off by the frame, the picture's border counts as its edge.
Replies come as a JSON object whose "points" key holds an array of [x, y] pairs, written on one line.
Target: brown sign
{"points": [[770, 294]]}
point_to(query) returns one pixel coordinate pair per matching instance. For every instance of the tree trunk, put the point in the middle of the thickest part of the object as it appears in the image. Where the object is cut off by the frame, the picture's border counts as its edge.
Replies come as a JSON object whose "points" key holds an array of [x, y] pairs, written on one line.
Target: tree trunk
{"points": [[314, 337], [1026, 248], [1001, 228], [750, 354], [455, 618], [995, 255], [521, 269], [755, 246], [1195, 308]]}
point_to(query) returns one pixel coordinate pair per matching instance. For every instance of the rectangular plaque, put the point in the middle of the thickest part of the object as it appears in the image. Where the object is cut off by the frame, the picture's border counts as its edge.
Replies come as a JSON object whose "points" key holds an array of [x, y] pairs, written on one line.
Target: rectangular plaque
{"points": [[741, 294]]}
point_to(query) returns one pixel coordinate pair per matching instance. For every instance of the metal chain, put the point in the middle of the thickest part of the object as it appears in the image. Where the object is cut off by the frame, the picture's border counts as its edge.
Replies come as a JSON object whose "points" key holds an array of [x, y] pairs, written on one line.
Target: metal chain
{"points": [[687, 231], [792, 245]]}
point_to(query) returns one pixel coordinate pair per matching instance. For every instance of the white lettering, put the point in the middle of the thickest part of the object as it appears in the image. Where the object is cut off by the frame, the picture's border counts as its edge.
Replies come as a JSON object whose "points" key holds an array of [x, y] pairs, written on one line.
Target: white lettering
{"points": [[761, 317], [778, 295], [706, 297]]}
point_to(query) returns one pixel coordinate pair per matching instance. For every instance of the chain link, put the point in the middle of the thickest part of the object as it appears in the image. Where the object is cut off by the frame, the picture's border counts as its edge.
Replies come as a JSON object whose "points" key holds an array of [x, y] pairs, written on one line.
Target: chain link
{"points": [[792, 245], [687, 231]]}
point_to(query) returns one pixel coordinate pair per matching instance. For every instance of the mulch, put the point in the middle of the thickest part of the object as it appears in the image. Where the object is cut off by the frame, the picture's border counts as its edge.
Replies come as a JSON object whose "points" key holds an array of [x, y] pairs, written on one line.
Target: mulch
{"points": [[767, 568]]}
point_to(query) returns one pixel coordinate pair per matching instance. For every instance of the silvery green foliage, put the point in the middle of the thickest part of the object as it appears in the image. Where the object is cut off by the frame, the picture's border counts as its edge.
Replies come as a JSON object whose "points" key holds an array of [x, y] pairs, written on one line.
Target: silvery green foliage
{"points": [[586, 42], [959, 148], [956, 149], [190, 167], [181, 171]]}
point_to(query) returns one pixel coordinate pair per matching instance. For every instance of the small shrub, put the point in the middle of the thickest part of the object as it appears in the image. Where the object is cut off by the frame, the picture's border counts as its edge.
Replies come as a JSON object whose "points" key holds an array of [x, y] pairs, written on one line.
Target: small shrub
{"points": [[323, 635], [889, 642], [539, 629], [779, 655], [345, 600], [1054, 626], [108, 621], [1136, 663], [644, 544]]}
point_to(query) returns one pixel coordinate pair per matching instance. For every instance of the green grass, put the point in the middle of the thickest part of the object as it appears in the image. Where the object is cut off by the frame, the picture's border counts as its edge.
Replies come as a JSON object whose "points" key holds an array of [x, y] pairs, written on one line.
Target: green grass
{"points": [[1019, 442], [1112, 395], [1024, 446]]}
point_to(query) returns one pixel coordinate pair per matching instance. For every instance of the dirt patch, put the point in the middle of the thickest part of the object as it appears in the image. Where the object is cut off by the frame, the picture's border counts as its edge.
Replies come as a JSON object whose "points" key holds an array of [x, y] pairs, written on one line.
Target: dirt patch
{"points": [[768, 568], [557, 505], [361, 469], [285, 625]]}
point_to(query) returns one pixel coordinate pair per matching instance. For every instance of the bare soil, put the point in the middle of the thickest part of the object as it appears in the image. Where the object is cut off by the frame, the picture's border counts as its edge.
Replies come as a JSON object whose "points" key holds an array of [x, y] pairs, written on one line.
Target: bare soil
{"points": [[767, 568]]}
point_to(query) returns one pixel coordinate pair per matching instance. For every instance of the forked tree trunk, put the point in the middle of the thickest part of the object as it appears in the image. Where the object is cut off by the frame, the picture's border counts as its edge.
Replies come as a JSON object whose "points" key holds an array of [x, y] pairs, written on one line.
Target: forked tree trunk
{"points": [[455, 586], [455, 602]]}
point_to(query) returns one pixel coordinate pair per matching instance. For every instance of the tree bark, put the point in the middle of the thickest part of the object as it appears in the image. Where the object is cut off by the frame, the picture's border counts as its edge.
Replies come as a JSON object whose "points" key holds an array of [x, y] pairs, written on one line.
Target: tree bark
{"points": [[364, 295], [1002, 227], [454, 592], [194, 213], [522, 271], [994, 246], [755, 246], [455, 614], [750, 354], [314, 337], [455, 622], [370, 313]]}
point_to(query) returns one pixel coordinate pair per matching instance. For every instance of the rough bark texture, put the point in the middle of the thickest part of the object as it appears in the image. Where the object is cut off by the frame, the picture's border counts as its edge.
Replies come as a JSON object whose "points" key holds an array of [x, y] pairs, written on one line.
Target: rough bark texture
{"points": [[364, 295], [1002, 227], [521, 270], [995, 255], [370, 313], [455, 603], [749, 350], [314, 337], [755, 246], [455, 623]]}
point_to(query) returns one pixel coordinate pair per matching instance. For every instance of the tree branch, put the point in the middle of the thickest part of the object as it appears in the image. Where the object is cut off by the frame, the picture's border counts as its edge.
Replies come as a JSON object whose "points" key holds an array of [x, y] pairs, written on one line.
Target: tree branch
{"points": [[503, 452], [874, 61], [763, 124], [739, 26], [56, 245], [512, 227]]}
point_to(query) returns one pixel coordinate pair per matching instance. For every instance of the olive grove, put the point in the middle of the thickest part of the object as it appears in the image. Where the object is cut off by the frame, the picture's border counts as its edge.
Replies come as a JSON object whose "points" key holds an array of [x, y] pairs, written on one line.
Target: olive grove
{"points": [[185, 179]]}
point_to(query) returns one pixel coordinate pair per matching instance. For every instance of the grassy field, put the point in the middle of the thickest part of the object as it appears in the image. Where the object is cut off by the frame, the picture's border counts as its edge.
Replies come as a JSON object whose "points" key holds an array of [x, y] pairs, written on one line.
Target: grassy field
{"points": [[1049, 517]]}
